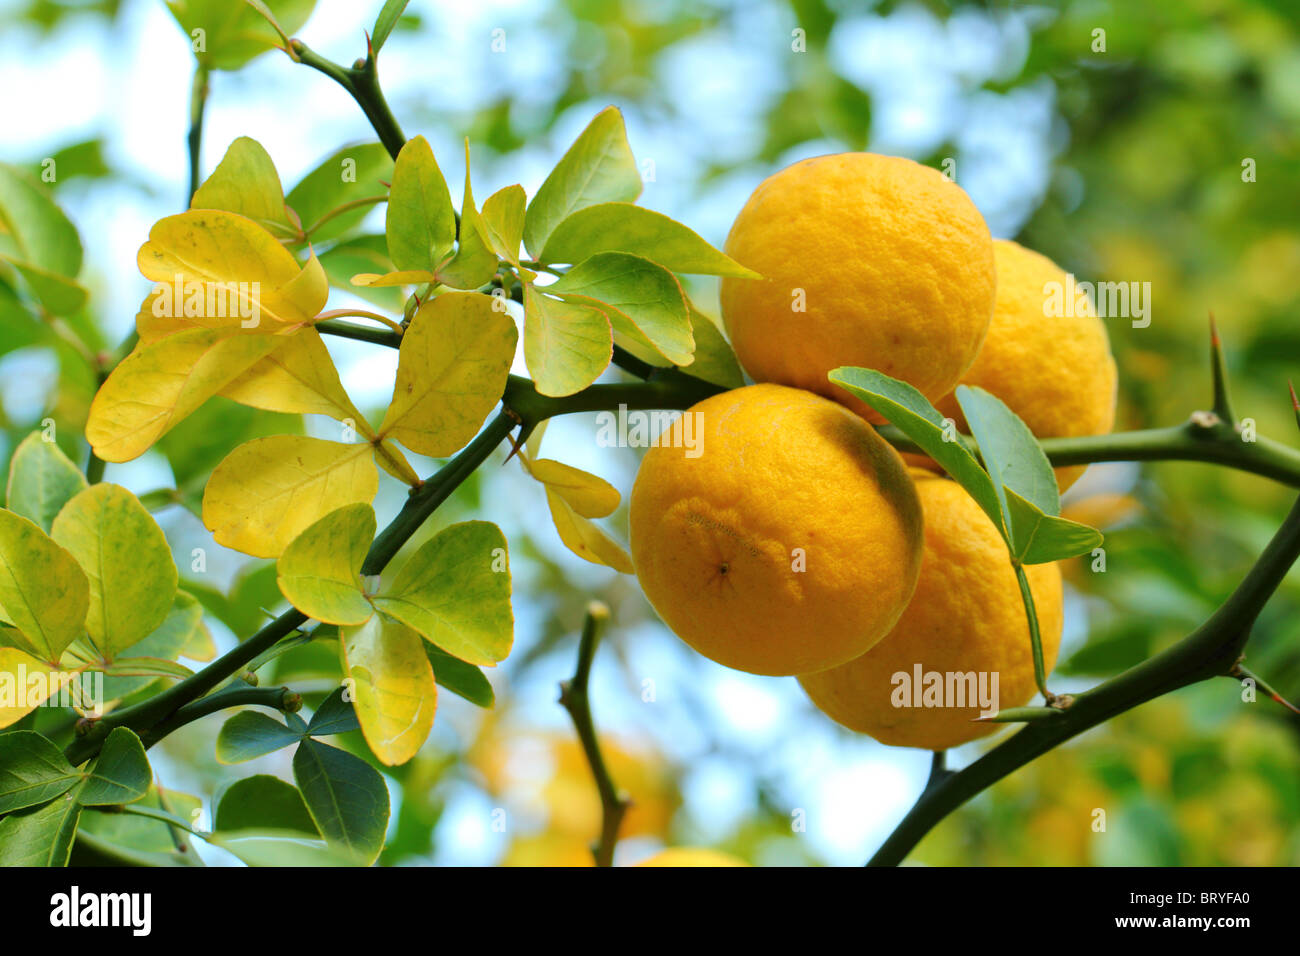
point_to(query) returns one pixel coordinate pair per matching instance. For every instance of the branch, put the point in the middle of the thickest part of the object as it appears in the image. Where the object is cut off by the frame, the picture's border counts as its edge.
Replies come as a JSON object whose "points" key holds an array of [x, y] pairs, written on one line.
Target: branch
{"points": [[361, 80], [276, 698], [574, 699], [1211, 650], [194, 140], [148, 714]]}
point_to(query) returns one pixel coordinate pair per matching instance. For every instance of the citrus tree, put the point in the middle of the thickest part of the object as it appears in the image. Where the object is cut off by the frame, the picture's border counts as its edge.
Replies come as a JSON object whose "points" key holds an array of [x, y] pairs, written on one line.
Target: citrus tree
{"points": [[776, 527]]}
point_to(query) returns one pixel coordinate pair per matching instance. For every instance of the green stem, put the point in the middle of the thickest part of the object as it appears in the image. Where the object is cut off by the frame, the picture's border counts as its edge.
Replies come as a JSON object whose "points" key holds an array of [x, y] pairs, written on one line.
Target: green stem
{"points": [[1211, 650], [362, 333], [276, 698], [194, 141], [1035, 640], [575, 699], [362, 83], [144, 716]]}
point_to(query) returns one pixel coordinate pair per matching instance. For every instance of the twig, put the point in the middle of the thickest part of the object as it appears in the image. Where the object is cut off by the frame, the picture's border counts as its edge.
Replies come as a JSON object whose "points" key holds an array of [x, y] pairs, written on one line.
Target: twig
{"points": [[361, 80], [574, 698]]}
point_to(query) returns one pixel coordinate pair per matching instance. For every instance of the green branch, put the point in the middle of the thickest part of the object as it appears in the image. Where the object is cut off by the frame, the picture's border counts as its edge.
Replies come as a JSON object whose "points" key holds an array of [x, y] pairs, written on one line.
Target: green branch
{"points": [[361, 80], [146, 715], [1211, 650], [276, 698], [574, 698]]}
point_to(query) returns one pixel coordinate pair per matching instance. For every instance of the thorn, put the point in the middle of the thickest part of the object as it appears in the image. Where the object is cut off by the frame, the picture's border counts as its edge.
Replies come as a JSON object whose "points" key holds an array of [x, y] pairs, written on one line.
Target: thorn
{"points": [[1295, 402], [1241, 673], [1222, 402]]}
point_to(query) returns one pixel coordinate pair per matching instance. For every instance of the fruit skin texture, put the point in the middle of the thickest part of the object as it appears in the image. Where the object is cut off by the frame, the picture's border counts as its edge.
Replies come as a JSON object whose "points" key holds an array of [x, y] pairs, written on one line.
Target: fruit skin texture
{"points": [[894, 259], [713, 538], [691, 856], [966, 615], [1056, 373]]}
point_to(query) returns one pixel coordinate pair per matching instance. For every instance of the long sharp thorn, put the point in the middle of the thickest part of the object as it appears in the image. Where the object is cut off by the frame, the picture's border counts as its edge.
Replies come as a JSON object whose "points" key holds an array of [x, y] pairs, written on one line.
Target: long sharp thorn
{"points": [[1222, 402], [1295, 402]]}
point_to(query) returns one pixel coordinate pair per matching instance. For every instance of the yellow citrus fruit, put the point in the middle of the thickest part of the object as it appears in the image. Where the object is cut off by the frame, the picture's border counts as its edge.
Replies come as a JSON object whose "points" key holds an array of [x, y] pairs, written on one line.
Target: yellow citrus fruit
{"points": [[1055, 372], [966, 617], [787, 541], [867, 260], [691, 856]]}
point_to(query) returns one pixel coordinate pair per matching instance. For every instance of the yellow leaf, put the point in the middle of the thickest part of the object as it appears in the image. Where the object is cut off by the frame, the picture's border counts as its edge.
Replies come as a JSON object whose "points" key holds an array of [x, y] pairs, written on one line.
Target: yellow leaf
{"points": [[409, 277], [566, 344], [589, 495], [585, 539], [163, 381], [219, 269], [390, 458], [246, 182], [320, 571], [43, 591], [268, 491], [25, 683], [454, 361], [299, 377], [395, 694]]}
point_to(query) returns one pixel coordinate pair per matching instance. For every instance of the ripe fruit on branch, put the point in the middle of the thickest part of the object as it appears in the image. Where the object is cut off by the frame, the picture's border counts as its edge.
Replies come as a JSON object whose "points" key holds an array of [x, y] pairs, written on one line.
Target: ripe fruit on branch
{"points": [[867, 260], [965, 618], [789, 543]]}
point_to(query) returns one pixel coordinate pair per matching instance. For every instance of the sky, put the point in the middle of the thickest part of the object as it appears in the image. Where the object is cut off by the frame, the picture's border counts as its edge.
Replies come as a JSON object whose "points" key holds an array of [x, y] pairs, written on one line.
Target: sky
{"points": [[130, 84]]}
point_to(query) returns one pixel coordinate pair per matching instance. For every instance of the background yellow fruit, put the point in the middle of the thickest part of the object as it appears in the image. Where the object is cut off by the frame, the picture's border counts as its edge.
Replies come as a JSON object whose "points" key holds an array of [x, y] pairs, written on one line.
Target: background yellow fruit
{"points": [[895, 265], [691, 856], [1056, 373], [966, 615], [784, 479]]}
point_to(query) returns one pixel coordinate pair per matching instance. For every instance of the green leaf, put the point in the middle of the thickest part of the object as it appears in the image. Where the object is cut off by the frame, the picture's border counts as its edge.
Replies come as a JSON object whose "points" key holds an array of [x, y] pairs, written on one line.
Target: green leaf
{"points": [[463, 679], [351, 175], [502, 222], [41, 480], [263, 802], [141, 840], [40, 234], [475, 263], [320, 571], [566, 344], [451, 370], [598, 168], [127, 561], [384, 23], [40, 836], [421, 223], [623, 227], [455, 591], [643, 300], [32, 771], [909, 411], [234, 32], [43, 591], [714, 361], [333, 716], [346, 797], [246, 182], [1040, 538], [175, 636], [249, 734], [121, 773], [58, 294], [281, 848], [395, 696], [1011, 453]]}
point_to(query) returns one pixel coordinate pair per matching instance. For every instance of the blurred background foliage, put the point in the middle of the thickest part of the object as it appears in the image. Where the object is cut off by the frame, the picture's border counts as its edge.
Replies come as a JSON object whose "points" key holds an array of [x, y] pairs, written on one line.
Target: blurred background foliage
{"points": [[1120, 154]]}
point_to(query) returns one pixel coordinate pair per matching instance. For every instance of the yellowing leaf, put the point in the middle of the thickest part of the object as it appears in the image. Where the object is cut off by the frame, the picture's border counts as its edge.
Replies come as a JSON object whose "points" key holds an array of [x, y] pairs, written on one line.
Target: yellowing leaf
{"points": [[163, 381], [41, 480], [623, 227], [219, 269], [588, 494], [644, 301], [501, 222], [598, 167], [714, 361], [474, 264], [585, 539], [246, 182], [566, 344], [455, 590], [421, 223], [127, 561], [395, 694], [268, 491], [320, 571], [299, 377], [43, 591], [25, 683], [371, 280], [454, 361]]}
